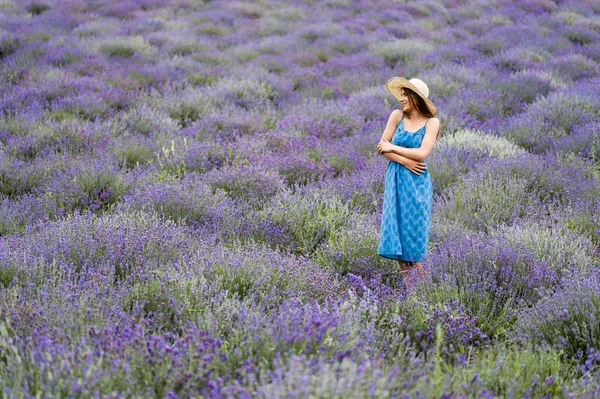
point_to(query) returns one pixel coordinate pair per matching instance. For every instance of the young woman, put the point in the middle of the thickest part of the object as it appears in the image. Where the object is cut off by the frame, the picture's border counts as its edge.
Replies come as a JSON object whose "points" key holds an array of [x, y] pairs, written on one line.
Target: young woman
{"points": [[407, 140]]}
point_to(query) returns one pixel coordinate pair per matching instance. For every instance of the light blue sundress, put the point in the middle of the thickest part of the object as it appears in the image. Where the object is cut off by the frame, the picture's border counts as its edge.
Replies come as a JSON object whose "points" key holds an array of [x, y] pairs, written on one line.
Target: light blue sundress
{"points": [[407, 202]]}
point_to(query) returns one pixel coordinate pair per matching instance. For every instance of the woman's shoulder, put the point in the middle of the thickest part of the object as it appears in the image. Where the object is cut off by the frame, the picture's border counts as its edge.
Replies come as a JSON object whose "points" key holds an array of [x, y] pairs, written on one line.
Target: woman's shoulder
{"points": [[433, 125], [435, 121], [396, 115]]}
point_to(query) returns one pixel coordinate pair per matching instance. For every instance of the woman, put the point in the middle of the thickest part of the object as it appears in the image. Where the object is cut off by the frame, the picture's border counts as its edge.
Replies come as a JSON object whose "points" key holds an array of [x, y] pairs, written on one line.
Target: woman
{"points": [[407, 140]]}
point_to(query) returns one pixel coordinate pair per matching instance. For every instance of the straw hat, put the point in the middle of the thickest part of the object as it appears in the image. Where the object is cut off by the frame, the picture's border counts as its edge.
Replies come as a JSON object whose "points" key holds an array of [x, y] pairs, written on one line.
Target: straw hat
{"points": [[396, 84]]}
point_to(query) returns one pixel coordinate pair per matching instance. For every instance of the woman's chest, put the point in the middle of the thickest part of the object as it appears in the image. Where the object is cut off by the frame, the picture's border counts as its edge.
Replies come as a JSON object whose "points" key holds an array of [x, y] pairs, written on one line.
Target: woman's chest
{"points": [[407, 139]]}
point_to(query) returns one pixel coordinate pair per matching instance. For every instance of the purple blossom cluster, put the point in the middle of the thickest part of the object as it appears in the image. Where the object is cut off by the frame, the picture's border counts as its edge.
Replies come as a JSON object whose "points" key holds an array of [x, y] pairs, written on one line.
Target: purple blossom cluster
{"points": [[459, 328], [190, 199]]}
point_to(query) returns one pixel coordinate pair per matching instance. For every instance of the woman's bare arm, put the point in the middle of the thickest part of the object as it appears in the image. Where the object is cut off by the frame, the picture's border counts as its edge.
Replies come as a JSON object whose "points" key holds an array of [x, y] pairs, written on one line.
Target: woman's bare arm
{"points": [[395, 157], [391, 125], [389, 130], [421, 153], [416, 167]]}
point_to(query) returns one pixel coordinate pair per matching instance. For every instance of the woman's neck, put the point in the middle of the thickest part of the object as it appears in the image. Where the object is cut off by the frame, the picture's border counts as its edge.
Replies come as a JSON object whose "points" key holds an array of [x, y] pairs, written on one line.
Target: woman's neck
{"points": [[414, 116]]}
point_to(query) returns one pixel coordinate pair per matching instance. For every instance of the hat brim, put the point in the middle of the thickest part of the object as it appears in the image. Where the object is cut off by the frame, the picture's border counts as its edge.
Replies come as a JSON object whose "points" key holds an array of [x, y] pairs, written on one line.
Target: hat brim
{"points": [[395, 86]]}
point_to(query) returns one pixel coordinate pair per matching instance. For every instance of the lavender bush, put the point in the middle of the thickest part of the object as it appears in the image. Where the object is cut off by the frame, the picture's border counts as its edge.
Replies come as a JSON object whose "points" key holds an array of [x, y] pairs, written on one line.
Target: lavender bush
{"points": [[584, 219], [308, 222], [491, 277], [552, 118], [458, 153], [563, 251], [518, 187], [566, 320], [188, 201]]}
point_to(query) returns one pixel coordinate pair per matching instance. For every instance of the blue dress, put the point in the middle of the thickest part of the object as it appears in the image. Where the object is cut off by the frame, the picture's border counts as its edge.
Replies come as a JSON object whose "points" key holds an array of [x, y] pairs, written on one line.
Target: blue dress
{"points": [[406, 205]]}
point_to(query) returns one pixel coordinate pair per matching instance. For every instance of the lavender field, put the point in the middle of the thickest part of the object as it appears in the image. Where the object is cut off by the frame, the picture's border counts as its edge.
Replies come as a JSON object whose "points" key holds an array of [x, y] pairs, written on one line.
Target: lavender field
{"points": [[191, 197]]}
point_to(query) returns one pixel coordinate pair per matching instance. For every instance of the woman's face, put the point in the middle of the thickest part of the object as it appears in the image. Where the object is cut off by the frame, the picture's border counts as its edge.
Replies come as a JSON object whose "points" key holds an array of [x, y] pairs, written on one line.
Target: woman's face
{"points": [[405, 101]]}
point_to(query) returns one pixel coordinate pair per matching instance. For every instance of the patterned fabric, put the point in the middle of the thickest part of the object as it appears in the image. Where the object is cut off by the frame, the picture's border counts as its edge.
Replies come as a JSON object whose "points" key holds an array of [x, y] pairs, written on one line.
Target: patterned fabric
{"points": [[406, 205]]}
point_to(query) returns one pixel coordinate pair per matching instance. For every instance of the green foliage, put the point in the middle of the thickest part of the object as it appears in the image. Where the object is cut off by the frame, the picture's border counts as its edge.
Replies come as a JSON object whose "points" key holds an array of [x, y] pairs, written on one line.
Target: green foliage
{"points": [[583, 37], [167, 300], [351, 247], [118, 50], [186, 114], [309, 221], [368, 201], [185, 48], [20, 180], [124, 47], [342, 164], [312, 223], [8, 45], [401, 51], [273, 66], [7, 272], [311, 36], [321, 54], [494, 317], [146, 120], [67, 58], [575, 67], [210, 60], [141, 80], [105, 188], [198, 79], [210, 30], [150, 299], [584, 223], [36, 8], [188, 106], [132, 154], [506, 371]]}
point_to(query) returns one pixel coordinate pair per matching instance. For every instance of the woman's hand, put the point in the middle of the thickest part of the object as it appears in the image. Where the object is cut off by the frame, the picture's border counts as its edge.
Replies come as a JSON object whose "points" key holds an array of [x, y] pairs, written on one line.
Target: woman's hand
{"points": [[384, 146], [416, 167]]}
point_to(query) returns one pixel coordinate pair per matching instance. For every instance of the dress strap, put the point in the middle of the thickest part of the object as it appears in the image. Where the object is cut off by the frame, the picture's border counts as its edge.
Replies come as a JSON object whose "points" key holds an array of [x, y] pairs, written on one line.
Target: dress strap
{"points": [[400, 123]]}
